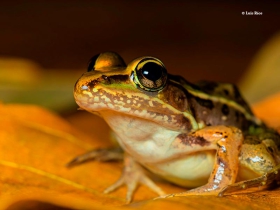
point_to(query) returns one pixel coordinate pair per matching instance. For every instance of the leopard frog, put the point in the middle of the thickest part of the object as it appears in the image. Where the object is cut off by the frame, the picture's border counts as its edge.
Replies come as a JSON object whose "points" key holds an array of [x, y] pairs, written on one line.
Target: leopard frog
{"points": [[202, 136]]}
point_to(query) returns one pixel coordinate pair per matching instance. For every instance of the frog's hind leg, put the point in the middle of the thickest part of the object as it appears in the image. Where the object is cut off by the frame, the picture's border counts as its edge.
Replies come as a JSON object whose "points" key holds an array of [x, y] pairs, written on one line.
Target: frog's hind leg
{"points": [[257, 159], [102, 155], [262, 181]]}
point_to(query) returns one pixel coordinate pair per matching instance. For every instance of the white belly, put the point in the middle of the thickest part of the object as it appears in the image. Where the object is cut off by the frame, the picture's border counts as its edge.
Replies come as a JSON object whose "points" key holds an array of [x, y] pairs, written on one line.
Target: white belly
{"points": [[191, 171], [151, 145]]}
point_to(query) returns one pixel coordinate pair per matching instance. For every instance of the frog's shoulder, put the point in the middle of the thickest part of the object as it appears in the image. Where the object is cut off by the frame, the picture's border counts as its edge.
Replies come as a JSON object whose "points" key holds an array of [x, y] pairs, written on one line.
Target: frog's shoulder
{"points": [[228, 91]]}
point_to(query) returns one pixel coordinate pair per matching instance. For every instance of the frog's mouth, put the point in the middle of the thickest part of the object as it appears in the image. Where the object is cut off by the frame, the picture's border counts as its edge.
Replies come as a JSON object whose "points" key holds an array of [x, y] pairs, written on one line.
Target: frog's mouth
{"points": [[135, 105]]}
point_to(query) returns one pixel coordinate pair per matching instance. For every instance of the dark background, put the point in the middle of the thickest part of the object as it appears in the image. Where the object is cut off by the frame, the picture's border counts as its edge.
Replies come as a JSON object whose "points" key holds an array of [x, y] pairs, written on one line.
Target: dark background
{"points": [[200, 40]]}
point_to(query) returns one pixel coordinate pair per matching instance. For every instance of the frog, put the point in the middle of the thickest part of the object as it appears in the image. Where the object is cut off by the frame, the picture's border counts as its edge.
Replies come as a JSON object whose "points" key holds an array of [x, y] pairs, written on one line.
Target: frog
{"points": [[202, 136]]}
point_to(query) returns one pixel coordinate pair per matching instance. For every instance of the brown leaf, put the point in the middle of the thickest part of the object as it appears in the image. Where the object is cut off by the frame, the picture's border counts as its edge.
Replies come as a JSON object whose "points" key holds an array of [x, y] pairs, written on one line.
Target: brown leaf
{"points": [[36, 144]]}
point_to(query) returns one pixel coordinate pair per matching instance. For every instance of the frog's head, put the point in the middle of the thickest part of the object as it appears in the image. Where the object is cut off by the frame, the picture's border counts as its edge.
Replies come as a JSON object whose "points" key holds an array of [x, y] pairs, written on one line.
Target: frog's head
{"points": [[141, 89]]}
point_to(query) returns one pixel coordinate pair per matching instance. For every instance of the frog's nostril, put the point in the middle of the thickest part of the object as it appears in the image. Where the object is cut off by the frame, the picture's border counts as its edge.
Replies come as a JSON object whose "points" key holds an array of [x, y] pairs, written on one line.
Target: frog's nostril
{"points": [[104, 77]]}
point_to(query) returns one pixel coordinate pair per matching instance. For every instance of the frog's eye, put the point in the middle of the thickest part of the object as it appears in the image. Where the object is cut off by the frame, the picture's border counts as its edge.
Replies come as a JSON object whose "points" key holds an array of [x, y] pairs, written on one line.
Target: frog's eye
{"points": [[151, 74], [92, 62], [105, 62]]}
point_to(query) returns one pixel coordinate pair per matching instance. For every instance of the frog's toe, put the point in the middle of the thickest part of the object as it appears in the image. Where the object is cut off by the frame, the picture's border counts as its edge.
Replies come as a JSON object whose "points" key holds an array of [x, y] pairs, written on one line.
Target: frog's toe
{"points": [[124, 180], [102, 155], [145, 180], [164, 196], [115, 186], [131, 180]]}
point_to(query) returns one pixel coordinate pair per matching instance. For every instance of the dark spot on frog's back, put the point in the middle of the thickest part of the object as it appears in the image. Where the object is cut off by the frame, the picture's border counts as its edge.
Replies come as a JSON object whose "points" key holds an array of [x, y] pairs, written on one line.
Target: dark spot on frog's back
{"points": [[207, 86], [205, 103], [225, 110], [237, 116], [237, 94], [190, 140], [226, 92]]}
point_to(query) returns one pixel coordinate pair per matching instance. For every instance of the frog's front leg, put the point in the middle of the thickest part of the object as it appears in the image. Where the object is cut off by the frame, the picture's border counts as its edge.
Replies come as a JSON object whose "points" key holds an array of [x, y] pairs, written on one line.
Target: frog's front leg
{"points": [[227, 141], [133, 174], [101, 154]]}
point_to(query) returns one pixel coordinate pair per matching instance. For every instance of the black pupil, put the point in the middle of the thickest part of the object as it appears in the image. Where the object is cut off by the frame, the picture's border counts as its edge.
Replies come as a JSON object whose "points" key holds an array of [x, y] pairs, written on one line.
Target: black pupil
{"points": [[152, 71]]}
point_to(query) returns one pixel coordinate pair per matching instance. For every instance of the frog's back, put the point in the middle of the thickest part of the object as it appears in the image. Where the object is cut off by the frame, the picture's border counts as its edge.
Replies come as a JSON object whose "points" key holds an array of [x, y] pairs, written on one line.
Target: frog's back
{"points": [[214, 103], [228, 91]]}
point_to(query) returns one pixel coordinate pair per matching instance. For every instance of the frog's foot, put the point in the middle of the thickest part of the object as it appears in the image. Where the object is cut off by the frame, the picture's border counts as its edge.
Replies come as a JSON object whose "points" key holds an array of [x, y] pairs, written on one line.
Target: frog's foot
{"points": [[102, 155], [131, 176], [262, 181], [208, 189]]}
